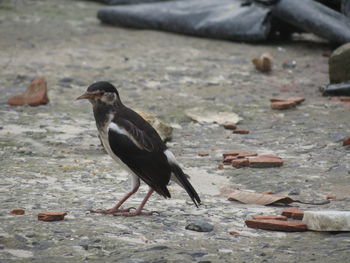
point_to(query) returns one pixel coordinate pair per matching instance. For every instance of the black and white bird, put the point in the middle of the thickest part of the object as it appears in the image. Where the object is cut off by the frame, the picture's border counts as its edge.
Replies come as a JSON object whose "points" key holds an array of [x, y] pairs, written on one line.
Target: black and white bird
{"points": [[136, 146]]}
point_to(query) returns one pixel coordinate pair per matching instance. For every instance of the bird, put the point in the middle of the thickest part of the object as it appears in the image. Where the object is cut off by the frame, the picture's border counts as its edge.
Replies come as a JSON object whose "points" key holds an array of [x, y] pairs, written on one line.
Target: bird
{"points": [[137, 147]]}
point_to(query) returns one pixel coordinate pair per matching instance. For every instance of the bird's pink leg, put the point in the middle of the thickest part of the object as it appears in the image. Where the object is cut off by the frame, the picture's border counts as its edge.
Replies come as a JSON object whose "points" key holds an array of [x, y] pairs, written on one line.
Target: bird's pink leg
{"points": [[139, 209], [115, 209]]}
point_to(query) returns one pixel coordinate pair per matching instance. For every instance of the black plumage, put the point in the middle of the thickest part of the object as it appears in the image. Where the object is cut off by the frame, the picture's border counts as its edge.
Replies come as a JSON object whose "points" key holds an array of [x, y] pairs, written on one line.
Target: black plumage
{"points": [[135, 144]]}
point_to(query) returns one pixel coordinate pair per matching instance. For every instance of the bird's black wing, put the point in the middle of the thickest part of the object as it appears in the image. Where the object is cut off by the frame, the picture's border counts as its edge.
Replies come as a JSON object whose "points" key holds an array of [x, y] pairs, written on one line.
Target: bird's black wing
{"points": [[143, 154]]}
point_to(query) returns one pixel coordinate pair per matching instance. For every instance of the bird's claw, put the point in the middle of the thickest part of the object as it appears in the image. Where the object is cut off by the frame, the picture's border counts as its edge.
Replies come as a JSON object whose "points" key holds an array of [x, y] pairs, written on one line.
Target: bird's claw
{"points": [[137, 213], [112, 211]]}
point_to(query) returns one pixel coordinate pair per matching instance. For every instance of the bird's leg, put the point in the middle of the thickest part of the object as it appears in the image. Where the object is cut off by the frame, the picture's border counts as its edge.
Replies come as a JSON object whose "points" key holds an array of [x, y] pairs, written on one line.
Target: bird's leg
{"points": [[115, 209], [139, 211]]}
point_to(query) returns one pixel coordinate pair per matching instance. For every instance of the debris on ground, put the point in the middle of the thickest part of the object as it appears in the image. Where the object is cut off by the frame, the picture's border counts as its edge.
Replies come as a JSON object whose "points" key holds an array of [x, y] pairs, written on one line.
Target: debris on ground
{"points": [[285, 103], [331, 197], [34, 95], [51, 216], [203, 154], [339, 66], [229, 126], [264, 62], [240, 131], [248, 197], [239, 160], [346, 141], [327, 220], [204, 116], [338, 89], [164, 130], [17, 212], [276, 225], [269, 217], [200, 226], [293, 212]]}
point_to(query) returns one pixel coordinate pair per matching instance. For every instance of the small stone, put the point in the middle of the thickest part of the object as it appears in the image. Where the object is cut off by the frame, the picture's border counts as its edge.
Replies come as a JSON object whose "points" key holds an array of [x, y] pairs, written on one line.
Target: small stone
{"points": [[229, 126], [339, 66], [17, 212], [35, 94], [269, 217], [293, 212], [331, 197], [327, 220], [240, 163], [265, 162], [264, 63], [202, 154], [283, 105], [220, 166], [200, 226], [51, 216], [346, 141], [240, 131], [233, 232], [277, 225]]}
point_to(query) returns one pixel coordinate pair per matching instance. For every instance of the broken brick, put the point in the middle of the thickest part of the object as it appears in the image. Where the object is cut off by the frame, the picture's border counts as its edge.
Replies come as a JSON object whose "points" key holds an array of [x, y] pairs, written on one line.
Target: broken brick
{"points": [[346, 141], [244, 155], [17, 212], [232, 232], [277, 225], [270, 156], [297, 100], [331, 197], [51, 216], [35, 94], [265, 162], [269, 217], [229, 159], [239, 163], [240, 131], [230, 154], [293, 212], [283, 105], [229, 126]]}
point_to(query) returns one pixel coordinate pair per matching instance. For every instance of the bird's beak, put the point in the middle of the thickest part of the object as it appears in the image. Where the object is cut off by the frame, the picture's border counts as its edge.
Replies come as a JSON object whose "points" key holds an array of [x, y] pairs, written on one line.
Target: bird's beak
{"points": [[87, 95]]}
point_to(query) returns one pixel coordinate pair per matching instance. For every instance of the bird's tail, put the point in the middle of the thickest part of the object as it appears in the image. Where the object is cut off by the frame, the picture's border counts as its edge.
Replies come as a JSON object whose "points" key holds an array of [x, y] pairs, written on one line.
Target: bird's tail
{"points": [[181, 179]]}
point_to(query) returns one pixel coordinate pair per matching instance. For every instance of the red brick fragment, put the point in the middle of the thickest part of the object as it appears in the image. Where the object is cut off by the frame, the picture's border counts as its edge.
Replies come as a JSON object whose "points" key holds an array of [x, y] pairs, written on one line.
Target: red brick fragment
{"points": [[331, 197], [232, 232], [35, 94], [283, 105], [346, 141], [270, 156], [239, 163], [230, 154], [297, 100], [293, 212], [244, 155], [265, 162], [229, 126], [240, 131], [269, 217], [51, 216], [202, 154], [229, 159], [277, 225], [17, 212]]}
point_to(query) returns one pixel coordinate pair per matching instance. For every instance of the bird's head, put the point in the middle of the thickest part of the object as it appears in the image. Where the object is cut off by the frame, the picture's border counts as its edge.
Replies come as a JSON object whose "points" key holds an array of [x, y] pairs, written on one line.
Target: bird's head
{"points": [[101, 92]]}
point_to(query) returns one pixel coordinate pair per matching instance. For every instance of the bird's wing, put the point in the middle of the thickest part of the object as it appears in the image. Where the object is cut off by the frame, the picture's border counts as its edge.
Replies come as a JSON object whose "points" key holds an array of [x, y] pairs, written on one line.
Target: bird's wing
{"points": [[140, 153]]}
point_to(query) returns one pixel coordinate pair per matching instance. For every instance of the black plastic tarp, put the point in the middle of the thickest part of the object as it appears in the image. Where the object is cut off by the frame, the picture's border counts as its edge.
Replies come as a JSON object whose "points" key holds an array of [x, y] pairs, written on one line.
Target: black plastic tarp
{"points": [[225, 19], [237, 20]]}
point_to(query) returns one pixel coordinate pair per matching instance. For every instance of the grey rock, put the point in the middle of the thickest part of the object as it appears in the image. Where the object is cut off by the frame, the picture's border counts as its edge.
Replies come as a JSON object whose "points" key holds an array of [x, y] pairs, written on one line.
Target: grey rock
{"points": [[339, 66], [200, 226]]}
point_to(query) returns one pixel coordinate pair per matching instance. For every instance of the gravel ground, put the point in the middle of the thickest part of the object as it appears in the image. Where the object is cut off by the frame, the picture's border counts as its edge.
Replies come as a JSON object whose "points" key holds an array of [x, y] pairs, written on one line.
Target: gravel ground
{"points": [[51, 158]]}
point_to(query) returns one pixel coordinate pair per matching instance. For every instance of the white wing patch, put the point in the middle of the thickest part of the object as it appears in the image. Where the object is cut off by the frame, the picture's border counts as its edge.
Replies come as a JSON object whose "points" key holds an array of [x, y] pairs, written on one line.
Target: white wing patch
{"points": [[170, 156], [114, 127]]}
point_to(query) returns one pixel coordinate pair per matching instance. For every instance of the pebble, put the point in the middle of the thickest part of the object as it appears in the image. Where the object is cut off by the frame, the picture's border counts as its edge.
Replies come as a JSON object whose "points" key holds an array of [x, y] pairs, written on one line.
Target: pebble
{"points": [[200, 226]]}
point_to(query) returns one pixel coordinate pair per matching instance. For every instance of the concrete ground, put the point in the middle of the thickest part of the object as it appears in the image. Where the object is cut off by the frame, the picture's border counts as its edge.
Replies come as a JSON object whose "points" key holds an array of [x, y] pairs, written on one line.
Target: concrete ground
{"points": [[51, 159]]}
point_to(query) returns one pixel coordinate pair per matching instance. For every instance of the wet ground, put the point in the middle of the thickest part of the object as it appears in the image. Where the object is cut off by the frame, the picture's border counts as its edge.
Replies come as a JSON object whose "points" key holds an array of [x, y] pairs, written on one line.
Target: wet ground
{"points": [[51, 158]]}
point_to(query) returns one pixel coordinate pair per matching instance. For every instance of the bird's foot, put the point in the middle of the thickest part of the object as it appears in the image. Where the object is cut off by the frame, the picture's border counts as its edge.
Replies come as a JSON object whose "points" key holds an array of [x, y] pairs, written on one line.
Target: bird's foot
{"points": [[112, 211], [136, 213]]}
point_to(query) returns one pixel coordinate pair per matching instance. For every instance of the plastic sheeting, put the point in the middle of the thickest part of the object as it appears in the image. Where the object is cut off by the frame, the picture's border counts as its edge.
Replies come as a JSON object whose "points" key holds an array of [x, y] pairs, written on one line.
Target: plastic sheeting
{"points": [[227, 19], [237, 20]]}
